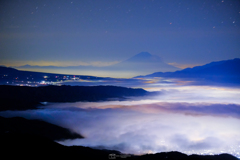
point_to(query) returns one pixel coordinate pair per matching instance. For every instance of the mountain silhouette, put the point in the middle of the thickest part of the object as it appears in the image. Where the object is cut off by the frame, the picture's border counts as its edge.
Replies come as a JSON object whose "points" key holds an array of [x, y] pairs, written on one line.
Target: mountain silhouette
{"points": [[24, 97], [226, 71], [144, 62], [144, 57], [8, 74], [139, 64], [19, 125]]}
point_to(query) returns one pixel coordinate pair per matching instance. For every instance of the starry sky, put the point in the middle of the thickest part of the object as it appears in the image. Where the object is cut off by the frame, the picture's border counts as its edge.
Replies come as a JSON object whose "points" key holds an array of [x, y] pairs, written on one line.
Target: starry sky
{"points": [[104, 32]]}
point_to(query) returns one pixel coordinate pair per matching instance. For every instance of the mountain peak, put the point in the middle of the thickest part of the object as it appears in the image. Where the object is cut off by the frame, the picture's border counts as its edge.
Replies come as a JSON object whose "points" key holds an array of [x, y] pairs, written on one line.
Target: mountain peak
{"points": [[145, 54], [144, 62], [143, 57]]}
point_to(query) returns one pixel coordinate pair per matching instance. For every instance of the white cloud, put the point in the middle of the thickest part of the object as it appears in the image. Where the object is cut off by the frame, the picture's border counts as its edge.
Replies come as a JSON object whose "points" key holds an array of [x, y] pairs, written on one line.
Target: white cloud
{"points": [[145, 128]]}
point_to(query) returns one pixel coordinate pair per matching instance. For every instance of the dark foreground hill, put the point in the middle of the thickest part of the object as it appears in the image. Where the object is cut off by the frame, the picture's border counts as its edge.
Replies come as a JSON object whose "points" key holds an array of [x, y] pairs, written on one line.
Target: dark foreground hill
{"points": [[23, 97], [30, 147], [20, 125]]}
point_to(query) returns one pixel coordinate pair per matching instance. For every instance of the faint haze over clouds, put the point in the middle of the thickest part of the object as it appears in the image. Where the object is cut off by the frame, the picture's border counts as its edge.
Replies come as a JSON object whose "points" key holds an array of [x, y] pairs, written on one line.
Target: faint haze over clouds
{"points": [[91, 32], [57, 63]]}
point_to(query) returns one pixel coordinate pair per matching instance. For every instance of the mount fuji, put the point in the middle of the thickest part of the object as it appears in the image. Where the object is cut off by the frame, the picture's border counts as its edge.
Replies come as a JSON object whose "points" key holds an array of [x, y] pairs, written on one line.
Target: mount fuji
{"points": [[144, 62], [140, 64]]}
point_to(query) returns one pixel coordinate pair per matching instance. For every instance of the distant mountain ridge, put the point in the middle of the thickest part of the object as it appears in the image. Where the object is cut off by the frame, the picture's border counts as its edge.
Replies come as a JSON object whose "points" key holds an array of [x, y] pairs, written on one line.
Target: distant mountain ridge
{"points": [[139, 64], [225, 67], [221, 71]]}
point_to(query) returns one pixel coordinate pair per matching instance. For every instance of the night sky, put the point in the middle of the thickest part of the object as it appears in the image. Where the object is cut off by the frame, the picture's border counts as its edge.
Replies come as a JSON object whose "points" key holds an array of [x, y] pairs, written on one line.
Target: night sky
{"points": [[104, 32]]}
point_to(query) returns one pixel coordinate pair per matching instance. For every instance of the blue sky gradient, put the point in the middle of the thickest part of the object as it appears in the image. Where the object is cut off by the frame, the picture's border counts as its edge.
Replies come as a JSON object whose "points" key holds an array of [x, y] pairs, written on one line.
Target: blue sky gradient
{"points": [[181, 32]]}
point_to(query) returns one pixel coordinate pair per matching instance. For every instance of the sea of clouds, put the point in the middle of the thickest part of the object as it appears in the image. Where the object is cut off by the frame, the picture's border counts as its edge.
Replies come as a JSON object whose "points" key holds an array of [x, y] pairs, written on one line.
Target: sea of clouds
{"points": [[189, 119]]}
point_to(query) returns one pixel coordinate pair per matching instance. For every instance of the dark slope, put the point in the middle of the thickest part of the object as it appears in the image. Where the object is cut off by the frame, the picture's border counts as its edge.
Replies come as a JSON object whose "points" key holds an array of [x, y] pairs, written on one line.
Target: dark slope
{"points": [[180, 156], [20, 125], [22, 97], [227, 71], [14, 72], [8, 74], [30, 147]]}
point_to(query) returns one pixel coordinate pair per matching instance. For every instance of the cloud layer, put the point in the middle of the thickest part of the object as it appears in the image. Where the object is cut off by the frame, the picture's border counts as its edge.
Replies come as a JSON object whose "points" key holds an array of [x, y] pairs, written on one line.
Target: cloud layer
{"points": [[146, 128], [189, 119]]}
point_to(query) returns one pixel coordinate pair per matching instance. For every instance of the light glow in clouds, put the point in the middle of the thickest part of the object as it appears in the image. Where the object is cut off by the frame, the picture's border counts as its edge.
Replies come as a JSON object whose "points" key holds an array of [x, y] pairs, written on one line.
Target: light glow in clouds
{"points": [[189, 119]]}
